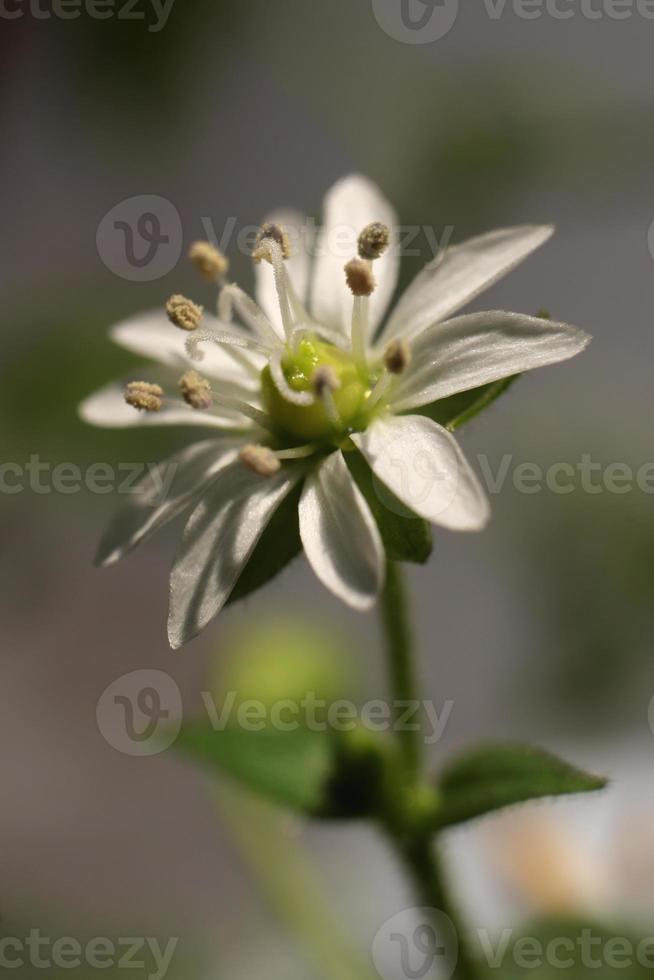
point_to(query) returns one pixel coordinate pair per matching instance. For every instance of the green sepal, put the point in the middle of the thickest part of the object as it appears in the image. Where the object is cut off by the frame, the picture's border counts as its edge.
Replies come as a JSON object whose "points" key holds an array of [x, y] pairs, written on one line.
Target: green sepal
{"points": [[278, 545], [492, 777], [457, 410], [405, 536]]}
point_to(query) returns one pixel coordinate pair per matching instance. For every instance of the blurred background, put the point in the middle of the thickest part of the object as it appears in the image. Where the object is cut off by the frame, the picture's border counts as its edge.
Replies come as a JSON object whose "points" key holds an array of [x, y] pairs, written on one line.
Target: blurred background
{"points": [[538, 629]]}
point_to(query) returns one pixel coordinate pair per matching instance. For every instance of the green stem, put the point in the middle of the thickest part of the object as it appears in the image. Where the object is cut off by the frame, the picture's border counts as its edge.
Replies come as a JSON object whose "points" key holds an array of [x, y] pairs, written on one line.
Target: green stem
{"points": [[413, 843], [399, 638]]}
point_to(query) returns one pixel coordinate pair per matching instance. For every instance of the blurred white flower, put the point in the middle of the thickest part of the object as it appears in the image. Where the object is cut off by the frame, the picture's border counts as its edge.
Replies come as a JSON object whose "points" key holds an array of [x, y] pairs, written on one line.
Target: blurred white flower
{"points": [[305, 376]]}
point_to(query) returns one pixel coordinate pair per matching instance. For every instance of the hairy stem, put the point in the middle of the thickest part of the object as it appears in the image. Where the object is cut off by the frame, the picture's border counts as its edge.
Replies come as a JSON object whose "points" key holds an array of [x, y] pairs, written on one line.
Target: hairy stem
{"points": [[413, 843]]}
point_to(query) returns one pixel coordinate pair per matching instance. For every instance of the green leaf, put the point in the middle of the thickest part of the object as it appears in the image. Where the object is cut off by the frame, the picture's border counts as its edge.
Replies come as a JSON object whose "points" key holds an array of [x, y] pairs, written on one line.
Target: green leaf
{"points": [[291, 768], [406, 537], [457, 410], [278, 545], [489, 778]]}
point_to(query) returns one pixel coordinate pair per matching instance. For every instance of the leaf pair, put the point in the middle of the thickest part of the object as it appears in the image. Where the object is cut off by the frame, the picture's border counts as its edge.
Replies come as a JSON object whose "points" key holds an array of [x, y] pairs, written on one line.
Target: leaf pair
{"points": [[318, 773]]}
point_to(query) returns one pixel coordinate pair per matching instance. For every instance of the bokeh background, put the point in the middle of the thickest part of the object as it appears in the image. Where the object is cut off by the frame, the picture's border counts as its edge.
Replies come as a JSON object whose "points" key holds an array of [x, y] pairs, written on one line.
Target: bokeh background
{"points": [[538, 629]]}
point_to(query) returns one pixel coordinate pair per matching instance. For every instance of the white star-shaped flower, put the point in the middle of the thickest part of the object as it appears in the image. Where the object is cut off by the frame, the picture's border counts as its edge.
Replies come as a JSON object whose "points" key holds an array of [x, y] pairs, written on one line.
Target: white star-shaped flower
{"points": [[296, 383]]}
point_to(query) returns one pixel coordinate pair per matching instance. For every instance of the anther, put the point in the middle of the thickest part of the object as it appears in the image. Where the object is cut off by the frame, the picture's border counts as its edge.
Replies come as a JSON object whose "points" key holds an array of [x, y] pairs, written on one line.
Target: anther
{"points": [[208, 260], [325, 380], [397, 356], [267, 233], [359, 277], [144, 396], [374, 240], [260, 459], [196, 390], [183, 312]]}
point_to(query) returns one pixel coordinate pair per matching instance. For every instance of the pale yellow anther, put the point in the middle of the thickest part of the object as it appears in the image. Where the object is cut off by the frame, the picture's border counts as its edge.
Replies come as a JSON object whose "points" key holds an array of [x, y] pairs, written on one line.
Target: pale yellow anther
{"points": [[261, 459], [183, 312], [397, 356], [208, 260], [196, 390], [374, 240], [271, 233], [325, 380], [359, 277], [144, 396]]}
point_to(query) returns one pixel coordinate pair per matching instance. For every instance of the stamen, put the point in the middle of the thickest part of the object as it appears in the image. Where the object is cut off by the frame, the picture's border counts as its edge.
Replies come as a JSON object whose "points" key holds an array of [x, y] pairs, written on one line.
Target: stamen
{"points": [[282, 285], [297, 452], [277, 373], [209, 261], [325, 379], [374, 240], [271, 232], [331, 336], [196, 390], [379, 390], [238, 405], [144, 396], [325, 383], [261, 459], [223, 338], [360, 310], [397, 356], [183, 312], [232, 297], [360, 279]]}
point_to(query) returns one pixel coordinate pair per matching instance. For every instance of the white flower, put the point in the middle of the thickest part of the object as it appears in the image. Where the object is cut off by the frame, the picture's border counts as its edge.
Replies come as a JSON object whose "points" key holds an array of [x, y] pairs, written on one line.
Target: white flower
{"points": [[306, 377]]}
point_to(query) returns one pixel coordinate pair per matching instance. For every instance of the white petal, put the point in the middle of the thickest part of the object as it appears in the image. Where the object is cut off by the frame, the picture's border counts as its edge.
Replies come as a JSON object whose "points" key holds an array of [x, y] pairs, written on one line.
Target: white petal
{"points": [[421, 463], [300, 233], [108, 409], [340, 537], [350, 205], [219, 538], [153, 335], [472, 350], [167, 490], [456, 277]]}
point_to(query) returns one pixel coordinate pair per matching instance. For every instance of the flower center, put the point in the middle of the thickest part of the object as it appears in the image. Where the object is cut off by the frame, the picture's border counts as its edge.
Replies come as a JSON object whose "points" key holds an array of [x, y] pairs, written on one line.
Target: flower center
{"points": [[338, 385]]}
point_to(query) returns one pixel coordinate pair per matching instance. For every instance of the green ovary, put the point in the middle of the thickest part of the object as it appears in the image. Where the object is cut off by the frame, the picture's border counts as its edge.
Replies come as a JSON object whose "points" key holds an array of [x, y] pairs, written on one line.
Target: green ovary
{"points": [[310, 423]]}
